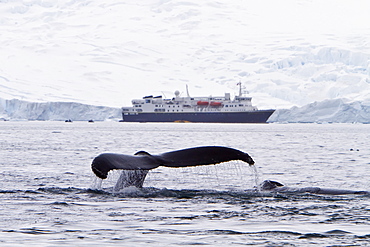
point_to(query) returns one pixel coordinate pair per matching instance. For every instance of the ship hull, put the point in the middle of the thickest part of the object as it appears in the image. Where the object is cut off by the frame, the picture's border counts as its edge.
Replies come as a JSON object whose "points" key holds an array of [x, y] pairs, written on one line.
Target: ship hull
{"points": [[260, 116]]}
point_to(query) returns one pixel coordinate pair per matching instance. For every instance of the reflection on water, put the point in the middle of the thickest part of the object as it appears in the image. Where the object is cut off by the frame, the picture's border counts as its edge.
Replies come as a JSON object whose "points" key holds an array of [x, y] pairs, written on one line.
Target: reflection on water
{"points": [[50, 197]]}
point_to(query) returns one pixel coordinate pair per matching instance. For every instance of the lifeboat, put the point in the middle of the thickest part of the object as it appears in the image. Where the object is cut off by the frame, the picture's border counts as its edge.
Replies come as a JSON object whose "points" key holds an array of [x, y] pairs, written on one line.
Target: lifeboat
{"points": [[215, 103], [203, 103]]}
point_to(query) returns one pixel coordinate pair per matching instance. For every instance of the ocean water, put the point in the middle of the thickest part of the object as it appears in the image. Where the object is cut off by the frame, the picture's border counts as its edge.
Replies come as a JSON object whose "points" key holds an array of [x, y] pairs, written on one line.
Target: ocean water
{"points": [[50, 197]]}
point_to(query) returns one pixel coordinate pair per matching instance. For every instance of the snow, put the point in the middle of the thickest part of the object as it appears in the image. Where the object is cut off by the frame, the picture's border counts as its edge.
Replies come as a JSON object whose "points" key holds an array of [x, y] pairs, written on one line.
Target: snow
{"points": [[300, 55]]}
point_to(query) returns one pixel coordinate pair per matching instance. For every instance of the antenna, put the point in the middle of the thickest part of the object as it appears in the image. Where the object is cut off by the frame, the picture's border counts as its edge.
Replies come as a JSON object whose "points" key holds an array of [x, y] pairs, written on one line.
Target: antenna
{"points": [[240, 88], [187, 90]]}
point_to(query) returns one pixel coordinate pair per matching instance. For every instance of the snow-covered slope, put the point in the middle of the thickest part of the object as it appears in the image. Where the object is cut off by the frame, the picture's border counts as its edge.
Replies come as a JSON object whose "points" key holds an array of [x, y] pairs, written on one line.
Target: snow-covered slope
{"points": [[286, 53]]}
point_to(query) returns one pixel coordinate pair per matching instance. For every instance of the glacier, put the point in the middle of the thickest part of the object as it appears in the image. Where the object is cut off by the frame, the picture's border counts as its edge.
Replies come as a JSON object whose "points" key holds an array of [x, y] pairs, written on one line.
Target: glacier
{"points": [[56, 111], [294, 56]]}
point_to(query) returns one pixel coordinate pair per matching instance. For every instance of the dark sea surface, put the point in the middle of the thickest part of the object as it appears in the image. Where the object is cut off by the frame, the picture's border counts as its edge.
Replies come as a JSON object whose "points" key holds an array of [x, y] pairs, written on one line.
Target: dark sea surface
{"points": [[50, 197]]}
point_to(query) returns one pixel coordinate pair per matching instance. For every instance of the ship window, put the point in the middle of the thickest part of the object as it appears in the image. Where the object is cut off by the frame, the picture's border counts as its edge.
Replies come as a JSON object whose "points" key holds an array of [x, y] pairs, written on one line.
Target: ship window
{"points": [[241, 105], [226, 105]]}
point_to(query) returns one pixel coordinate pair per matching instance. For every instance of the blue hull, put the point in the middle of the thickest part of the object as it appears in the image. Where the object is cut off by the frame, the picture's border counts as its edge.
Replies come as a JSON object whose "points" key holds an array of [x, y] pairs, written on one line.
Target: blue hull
{"points": [[259, 116]]}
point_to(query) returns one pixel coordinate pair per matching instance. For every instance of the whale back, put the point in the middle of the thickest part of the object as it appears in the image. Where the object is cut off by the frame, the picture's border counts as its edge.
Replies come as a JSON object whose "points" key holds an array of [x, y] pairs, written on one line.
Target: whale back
{"points": [[274, 186]]}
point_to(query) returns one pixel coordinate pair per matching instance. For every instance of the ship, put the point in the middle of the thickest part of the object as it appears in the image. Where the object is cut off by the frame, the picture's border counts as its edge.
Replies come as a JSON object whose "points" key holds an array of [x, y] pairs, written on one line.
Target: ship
{"points": [[218, 109]]}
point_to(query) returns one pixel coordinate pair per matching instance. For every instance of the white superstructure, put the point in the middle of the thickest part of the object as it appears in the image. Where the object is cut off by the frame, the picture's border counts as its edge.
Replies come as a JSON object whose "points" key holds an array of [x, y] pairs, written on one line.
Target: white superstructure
{"points": [[191, 104]]}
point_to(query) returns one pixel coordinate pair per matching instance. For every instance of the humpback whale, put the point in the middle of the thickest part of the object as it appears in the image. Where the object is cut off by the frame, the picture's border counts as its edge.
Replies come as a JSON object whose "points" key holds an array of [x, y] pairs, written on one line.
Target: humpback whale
{"points": [[274, 186], [141, 162]]}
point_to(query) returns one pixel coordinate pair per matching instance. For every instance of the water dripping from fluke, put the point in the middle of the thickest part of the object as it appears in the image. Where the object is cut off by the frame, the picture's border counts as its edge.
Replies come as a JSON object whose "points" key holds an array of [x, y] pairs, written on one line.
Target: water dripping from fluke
{"points": [[256, 178], [130, 178], [96, 183]]}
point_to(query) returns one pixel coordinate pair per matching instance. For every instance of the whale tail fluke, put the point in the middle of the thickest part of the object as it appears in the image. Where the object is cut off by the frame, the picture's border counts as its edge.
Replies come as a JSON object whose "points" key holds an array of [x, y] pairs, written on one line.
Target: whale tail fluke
{"points": [[203, 156], [106, 162], [142, 162]]}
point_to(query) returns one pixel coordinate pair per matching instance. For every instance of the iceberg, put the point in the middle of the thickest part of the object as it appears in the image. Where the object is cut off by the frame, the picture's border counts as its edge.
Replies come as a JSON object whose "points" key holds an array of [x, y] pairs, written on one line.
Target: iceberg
{"points": [[327, 111]]}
